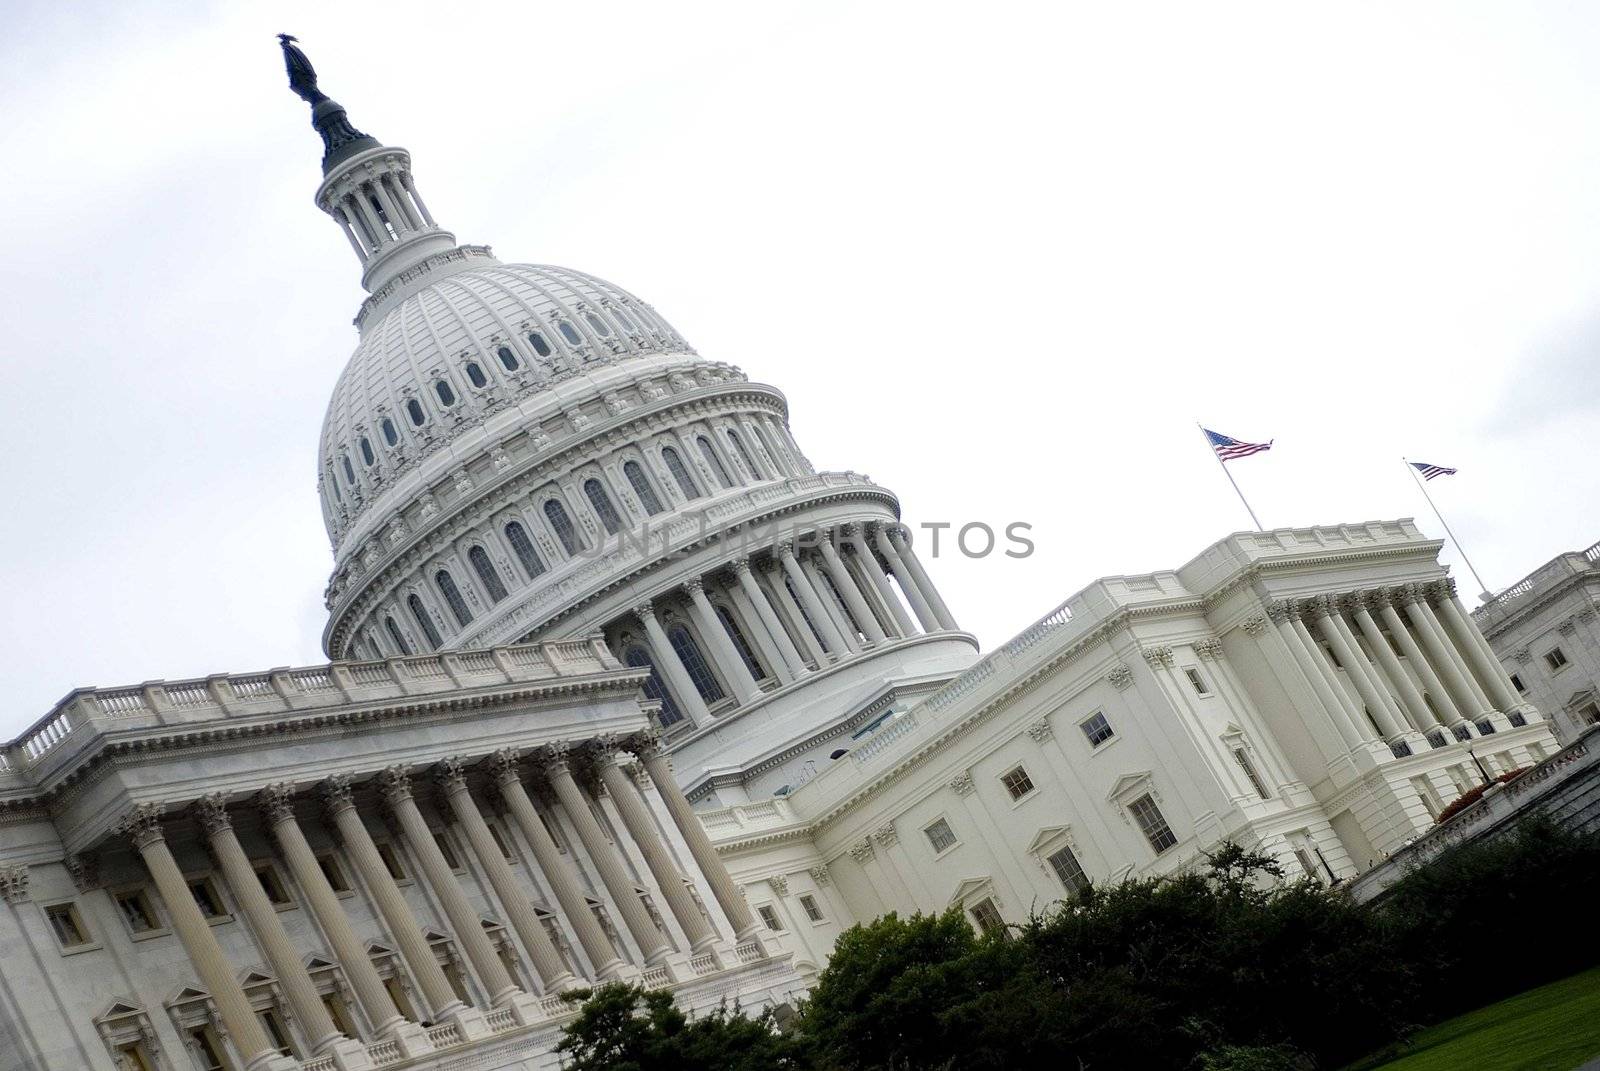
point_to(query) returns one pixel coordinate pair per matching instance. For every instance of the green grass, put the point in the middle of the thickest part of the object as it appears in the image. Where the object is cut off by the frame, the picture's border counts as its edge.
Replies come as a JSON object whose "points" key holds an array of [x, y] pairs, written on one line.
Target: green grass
{"points": [[1553, 1028]]}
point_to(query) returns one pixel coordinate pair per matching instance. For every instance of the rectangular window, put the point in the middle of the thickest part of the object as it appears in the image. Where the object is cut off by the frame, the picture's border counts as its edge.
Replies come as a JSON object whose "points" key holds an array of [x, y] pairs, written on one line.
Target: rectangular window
{"points": [[1589, 713], [1152, 823], [769, 916], [500, 842], [272, 884], [137, 910], [329, 864], [808, 904], [1068, 870], [550, 828], [397, 994], [1555, 658], [447, 850], [277, 1034], [207, 1048], [1516, 682], [1242, 757], [1307, 865], [1198, 682], [391, 861], [206, 898], [135, 1057], [1017, 782], [1097, 729], [987, 916], [67, 925], [340, 1014], [940, 835]]}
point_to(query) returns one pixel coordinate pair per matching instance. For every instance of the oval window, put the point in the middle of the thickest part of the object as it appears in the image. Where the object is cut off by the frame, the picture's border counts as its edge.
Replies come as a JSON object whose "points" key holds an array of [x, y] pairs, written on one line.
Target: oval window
{"points": [[508, 359], [414, 408], [540, 346], [622, 318], [390, 435], [349, 471], [598, 324], [366, 451], [570, 333], [447, 397], [475, 374]]}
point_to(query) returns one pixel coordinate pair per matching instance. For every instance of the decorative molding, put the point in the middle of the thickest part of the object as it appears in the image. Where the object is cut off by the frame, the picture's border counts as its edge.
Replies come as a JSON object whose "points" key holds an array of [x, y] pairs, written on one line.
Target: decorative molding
{"points": [[1523, 655], [1160, 655], [395, 784], [14, 883], [1567, 628], [962, 783], [887, 836], [338, 793], [862, 852], [1209, 648], [85, 870], [1120, 676], [277, 803], [211, 811], [142, 825], [451, 773], [780, 884], [1040, 731], [1254, 626], [821, 876]]}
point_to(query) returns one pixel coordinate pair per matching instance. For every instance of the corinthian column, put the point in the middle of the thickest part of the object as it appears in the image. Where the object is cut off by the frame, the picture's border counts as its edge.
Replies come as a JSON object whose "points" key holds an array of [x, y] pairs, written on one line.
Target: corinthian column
{"points": [[607, 860], [671, 666], [648, 748], [641, 827], [1416, 711], [1470, 642], [808, 638], [1331, 624], [846, 585], [546, 960], [277, 811], [1469, 699], [1334, 703], [781, 654], [867, 564], [557, 870], [908, 583], [396, 784], [920, 576], [143, 827], [1432, 686], [836, 614], [386, 896], [305, 1003], [734, 669], [810, 599]]}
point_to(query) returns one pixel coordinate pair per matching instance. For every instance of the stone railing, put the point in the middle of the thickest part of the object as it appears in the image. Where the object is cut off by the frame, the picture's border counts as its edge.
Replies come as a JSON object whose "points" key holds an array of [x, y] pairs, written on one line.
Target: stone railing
{"points": [[744, 819], [1047, 626], [290, 690], [884, 738], [1548, 575]]}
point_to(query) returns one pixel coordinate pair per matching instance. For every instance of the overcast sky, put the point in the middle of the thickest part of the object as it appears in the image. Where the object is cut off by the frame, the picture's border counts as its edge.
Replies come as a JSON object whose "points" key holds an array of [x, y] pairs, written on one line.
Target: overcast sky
{"points": [[1000, 258]]}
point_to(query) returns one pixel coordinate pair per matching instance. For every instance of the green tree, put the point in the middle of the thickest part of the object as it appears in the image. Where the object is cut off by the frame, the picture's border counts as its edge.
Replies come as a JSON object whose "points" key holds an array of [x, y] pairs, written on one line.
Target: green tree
{"points": [[628, 1028]]}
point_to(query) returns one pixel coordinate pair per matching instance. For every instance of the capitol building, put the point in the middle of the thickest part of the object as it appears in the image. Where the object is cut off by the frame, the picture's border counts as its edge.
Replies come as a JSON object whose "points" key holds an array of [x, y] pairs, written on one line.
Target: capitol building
{"points": [[622, 688]]}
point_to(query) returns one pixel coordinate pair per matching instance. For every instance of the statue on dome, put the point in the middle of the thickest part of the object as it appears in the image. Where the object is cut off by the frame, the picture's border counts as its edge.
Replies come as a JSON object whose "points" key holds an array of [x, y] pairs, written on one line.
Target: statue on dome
{"points": [[302, 76], [340, 139]]}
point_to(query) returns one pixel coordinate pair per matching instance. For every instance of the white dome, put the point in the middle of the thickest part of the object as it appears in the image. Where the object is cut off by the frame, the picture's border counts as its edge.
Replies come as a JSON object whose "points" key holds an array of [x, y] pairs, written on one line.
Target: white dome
{"points": [[449, 352]]}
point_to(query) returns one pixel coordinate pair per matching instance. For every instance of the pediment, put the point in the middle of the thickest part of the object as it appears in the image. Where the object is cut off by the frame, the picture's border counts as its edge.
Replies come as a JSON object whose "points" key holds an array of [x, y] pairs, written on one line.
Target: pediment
{"points": [[120, 1009], [375, 949], [254, 976], [968, 887], [1048, 835], [187, 995], [1127, 783]]}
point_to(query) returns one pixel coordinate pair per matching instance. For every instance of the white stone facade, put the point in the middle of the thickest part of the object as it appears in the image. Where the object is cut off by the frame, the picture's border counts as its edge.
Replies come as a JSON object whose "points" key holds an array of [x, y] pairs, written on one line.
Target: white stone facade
{"points": [[1544, 630]]}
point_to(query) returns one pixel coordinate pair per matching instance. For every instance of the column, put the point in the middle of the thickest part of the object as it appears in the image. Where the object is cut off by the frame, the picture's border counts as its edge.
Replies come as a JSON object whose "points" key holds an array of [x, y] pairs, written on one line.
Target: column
{"points": [[733, 668], [416, 198], [397, 917], [652, 942], [930, 592], [1468, 699], [846, 584], [352, 209], [1411, 702], [397, 218], [868, 563], [647, 748], [1348, 703], [408, 211], [641, 827], [769, 618], [830, 605], [467, 923], [671, 666], [143, 827], [546, 960], [810, 600], [305, 1003], [277, 811], [350, 233], [1432, 686], [1333, 705], [1338, 635], [908, 586], [760, 629], [503, 766], [380, 233], [1471, 643], [791, 610]]}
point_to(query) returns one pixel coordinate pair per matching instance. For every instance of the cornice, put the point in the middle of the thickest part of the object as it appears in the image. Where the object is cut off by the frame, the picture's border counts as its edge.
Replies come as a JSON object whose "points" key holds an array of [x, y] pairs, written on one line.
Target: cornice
{"points": [[1256, 569], [1525, 607]]}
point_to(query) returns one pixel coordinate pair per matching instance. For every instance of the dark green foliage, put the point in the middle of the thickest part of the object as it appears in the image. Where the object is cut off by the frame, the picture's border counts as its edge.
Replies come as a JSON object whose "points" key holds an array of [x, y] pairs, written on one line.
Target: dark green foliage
{"points": [[1255, 1058], [626, 1028]]}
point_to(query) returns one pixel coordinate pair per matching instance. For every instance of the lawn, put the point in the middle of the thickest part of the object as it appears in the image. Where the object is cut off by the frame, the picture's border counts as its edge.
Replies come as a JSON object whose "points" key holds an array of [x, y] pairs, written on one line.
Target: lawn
{"points": [[1553, 1028]]}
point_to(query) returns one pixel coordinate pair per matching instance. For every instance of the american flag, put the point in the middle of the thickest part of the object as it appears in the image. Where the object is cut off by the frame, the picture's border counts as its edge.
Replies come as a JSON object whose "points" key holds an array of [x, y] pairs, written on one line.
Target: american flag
{"points": [[1228, 448], [1430, 471]]}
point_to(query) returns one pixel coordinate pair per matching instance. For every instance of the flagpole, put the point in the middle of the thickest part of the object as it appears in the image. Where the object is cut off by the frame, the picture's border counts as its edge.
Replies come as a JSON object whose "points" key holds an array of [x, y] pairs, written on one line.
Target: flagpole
{"points": [[1254, 519], [1484, 588]]}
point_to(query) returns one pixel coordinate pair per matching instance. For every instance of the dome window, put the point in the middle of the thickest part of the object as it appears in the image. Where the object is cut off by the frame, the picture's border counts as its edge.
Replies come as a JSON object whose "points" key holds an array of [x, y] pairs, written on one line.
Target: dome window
{"points": [[562, 526], [622, 318], [338, 496], [349, 470], [414, 408], [603, 508], [424, 622], [517, 536], [367, 455], [395, 636], [680, 473], [475, 374], [714, 460], [540, 346], [641, 487], [479, 560], [452, 597], [570, 333], [447, 394], [390, 435], [599, 325], [508, 359]]}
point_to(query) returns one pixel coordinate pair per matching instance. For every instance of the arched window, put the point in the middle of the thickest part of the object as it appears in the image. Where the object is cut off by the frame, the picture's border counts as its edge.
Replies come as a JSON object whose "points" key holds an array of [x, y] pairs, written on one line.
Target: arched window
{"points": [[680, 473], [349, 473], [638, 658], [424, 622], [367, 455], [398, 640], [414, 410], [479, 559], [694, 662], [641, 487], [601, 328], [390, 435], [570, 333], [622, 318], [740, 644], [774, 450], [452, 597], [508, 359], [447, 396], [810, 624], [715, 461], [602, 505], [526, 552], [561, 525], [540, 346], [475, 374], [744, 455]]}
